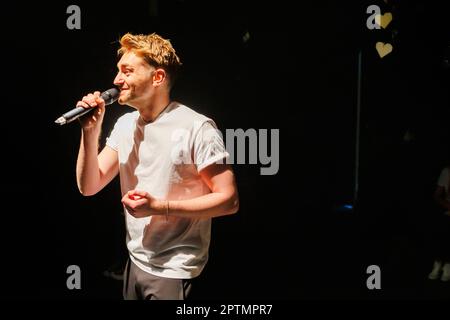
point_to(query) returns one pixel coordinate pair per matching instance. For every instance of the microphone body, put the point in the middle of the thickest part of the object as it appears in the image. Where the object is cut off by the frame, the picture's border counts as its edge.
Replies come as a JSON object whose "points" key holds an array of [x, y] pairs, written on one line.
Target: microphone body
{"points": [[109, 96]]}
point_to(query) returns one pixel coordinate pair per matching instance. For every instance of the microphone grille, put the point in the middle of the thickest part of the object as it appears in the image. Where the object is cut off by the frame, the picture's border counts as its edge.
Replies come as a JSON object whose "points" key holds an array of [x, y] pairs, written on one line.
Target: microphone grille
{"points": [[110, 95]]}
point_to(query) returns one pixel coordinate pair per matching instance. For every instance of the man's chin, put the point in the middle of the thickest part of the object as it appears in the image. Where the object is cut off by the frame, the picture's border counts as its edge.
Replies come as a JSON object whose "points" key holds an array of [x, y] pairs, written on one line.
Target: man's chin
{"points": [[122, 101]]}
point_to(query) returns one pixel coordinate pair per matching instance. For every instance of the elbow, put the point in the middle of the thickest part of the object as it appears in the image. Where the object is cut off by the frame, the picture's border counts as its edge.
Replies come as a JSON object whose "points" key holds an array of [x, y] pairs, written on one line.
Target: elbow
{"points": [[86, 189], [86, 192], [234, 205]]}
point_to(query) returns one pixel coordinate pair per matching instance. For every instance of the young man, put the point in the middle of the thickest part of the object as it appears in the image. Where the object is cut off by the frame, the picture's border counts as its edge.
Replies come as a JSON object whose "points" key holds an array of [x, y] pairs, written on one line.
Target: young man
{"points": [[172, 173]]}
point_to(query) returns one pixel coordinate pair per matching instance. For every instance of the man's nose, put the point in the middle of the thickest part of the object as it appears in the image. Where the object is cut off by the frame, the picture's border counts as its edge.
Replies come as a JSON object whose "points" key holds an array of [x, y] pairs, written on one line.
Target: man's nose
{"points": [[118, 80]]}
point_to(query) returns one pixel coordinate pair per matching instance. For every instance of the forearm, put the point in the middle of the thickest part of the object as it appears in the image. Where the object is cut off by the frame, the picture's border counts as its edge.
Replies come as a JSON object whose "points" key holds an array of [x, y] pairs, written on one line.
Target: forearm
{"points": [[206, 206], [88, 173]]}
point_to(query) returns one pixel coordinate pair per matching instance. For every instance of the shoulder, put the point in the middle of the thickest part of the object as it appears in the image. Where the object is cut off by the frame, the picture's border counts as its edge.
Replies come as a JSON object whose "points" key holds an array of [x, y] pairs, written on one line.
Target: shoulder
{"points": [[180, 109], [187, 116], [128, 119]]}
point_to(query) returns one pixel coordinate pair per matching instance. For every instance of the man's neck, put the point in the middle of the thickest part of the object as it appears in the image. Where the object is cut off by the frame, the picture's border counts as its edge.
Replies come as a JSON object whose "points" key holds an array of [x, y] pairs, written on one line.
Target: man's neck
{"points": [[152, 110]]}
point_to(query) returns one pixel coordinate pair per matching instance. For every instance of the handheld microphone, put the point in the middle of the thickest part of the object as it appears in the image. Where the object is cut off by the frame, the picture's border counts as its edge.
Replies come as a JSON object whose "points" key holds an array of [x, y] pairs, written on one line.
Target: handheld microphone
{"points": [[109, 96]]}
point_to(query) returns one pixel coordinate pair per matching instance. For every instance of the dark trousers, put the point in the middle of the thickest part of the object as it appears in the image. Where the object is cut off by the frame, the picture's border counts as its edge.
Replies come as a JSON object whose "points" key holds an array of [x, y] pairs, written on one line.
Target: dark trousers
{"points": [[141, 285]]}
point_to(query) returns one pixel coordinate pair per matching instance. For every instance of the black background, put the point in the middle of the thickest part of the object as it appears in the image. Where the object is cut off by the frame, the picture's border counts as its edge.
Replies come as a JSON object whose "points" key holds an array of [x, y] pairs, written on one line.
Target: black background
{"points": [[297, 73]]}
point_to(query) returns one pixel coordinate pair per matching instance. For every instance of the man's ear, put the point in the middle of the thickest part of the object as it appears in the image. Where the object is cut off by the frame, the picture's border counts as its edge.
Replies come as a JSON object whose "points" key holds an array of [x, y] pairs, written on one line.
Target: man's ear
{"points": [[159, 77]]}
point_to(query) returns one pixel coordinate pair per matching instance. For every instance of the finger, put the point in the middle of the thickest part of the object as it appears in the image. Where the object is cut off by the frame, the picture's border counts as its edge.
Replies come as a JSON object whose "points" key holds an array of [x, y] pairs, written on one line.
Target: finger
{"points": [[92, 98], [95, 97], [99, 111], [140, 193], [134, 197], [83, 104], [130, 210], [127, 204], [99, 101], [130, 195], [125, 199], [89, 101], [140, 202]]}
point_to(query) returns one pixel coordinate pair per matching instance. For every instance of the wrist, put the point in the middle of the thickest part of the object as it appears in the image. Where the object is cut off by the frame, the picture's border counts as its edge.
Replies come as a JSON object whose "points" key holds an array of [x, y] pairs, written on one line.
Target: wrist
{"points": [[90, 134], [159, 207], [91, 130]]}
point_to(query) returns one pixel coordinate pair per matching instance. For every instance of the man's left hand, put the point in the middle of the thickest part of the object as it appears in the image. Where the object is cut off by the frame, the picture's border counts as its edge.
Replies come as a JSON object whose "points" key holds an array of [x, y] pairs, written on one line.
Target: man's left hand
{"points": [[140, 204]]}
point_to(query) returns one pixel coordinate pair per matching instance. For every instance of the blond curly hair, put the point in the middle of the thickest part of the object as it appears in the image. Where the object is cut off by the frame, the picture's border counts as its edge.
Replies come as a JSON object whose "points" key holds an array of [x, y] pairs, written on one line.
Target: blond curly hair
{"points": [[154, 49]]}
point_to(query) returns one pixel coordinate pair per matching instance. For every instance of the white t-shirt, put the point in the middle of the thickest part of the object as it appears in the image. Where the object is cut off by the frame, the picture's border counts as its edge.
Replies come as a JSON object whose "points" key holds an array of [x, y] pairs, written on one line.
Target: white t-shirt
{"points": [[444, 181], [164, 158]]}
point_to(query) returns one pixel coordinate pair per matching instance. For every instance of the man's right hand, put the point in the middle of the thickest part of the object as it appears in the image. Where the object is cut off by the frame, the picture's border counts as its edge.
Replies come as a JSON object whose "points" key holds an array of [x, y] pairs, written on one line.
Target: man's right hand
{"points": [[94, 119]]}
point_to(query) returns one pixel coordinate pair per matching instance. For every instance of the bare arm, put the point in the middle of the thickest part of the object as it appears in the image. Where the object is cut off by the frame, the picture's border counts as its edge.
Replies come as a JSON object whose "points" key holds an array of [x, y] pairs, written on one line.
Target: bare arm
{"points": [[223, 199], [94, 171]]}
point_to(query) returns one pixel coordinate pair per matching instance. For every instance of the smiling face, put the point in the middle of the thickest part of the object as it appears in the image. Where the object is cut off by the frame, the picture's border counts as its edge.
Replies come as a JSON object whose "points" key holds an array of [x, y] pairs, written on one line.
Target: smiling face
{"points": [[134, 79]]}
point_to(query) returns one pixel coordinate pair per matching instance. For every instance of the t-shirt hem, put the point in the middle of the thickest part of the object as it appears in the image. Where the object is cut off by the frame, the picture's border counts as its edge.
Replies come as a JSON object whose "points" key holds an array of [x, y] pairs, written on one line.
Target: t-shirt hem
{"points": [[114, 147], [167, 272], [212, 160]]}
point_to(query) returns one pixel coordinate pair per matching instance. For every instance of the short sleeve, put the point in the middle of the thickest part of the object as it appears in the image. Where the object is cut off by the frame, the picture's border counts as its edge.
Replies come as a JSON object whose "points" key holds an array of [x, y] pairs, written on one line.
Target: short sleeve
{"points": [[209, 147], [112, 140]]}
